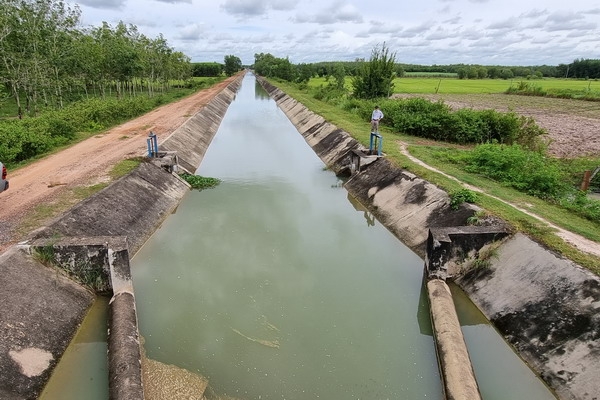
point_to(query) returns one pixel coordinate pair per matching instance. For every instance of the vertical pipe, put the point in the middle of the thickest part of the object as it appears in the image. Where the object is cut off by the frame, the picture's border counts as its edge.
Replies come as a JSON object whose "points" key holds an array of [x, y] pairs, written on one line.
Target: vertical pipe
{"points": [[587, 177], [155, 140]]}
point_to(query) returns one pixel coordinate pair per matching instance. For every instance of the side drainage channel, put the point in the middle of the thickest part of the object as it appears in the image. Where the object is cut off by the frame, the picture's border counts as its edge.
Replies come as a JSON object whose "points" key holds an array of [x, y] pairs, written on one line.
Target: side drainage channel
{"points": [[446, 246], [103, 263]]}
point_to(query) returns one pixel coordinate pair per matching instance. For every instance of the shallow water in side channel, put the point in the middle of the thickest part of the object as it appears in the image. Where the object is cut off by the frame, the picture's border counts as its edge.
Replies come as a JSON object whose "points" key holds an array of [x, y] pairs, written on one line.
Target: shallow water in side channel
{"points": [[278, 285]]}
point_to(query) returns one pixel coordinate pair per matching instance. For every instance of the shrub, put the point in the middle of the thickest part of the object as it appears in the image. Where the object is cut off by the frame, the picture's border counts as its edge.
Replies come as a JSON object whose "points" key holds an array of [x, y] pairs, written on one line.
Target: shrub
{"points": [[523, 169], [462, 196], [581, 204]]}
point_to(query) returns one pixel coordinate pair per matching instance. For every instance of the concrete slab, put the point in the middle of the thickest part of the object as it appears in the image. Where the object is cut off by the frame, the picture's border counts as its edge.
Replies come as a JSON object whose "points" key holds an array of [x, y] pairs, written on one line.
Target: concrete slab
{"points": [[40, 311]]}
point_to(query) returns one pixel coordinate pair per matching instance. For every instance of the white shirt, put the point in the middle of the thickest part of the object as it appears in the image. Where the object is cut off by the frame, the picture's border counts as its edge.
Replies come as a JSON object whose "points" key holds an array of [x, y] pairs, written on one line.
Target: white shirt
{"points": [[377, 115]]}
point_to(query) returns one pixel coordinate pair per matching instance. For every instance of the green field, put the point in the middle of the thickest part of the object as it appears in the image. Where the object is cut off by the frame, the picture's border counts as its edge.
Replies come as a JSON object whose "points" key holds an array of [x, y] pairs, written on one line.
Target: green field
{"points": [[422, 85], [466, 86]]}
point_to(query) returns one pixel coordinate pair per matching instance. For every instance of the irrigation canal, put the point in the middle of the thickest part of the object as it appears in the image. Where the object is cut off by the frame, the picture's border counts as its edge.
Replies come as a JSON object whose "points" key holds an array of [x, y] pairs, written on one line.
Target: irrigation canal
{"points": [[278, 285]]}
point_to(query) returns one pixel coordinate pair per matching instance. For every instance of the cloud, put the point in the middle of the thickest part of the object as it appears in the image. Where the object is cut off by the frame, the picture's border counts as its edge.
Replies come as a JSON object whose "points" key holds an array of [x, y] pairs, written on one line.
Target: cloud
{"points": [[509, 23], [245, 8], [338, 12], [104, 4], [453, 20], [567, 20], [534, 14], [175, 1], [191, 32], [440, 34], [254, 8]]}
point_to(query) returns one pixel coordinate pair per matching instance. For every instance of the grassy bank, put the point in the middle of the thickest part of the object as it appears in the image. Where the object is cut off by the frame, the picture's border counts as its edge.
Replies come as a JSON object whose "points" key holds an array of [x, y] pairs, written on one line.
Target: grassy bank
{"points": [[426, 150]]}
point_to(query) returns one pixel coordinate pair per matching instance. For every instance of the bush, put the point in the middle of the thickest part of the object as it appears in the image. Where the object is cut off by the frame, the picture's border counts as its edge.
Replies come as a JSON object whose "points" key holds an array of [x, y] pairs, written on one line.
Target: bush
{"points": [[462, 196], [525, 170], [30, 137], [581, 204]]}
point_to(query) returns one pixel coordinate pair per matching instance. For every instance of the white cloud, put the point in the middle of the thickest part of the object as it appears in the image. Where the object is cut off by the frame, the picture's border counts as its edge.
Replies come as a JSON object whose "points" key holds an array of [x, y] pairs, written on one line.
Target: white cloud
{"points": [[515, 32], [104, 4]]}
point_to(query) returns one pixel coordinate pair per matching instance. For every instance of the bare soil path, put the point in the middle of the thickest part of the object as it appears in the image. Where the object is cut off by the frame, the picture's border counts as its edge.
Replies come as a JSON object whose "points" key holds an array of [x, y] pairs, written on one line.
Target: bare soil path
{"points": [[89, 162]]}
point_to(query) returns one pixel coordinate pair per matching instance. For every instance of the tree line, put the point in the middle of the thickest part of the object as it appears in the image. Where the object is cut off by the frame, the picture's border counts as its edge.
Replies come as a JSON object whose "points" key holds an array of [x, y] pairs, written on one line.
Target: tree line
{"points": [[46, 58], [271, 66]]}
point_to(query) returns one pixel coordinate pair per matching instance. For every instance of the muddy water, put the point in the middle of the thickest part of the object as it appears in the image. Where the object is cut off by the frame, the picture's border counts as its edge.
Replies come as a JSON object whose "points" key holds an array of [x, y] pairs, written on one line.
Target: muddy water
{"points": [[277, 285], [83, 369]]}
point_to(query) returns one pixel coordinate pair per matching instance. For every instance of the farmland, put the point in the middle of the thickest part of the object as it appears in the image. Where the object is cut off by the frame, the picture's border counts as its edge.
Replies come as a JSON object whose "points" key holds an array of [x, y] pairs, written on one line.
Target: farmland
{"points": [[449, 85]]}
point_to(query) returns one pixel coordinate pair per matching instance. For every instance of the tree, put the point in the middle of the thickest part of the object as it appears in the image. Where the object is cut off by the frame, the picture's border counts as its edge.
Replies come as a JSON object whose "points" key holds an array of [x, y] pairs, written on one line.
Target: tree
{"points": [[374, 79], [506, 73], [339, 74], [233, 64], [207, 69]]}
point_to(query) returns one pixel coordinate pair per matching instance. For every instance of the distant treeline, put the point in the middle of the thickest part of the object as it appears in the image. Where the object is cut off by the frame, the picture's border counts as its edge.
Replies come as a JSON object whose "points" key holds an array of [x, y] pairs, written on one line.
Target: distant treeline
{"points": [[271, 66]]}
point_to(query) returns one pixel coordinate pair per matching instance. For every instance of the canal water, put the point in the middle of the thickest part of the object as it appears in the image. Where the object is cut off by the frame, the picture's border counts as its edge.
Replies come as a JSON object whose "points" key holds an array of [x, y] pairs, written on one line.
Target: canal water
{"points": [[277, 284]]}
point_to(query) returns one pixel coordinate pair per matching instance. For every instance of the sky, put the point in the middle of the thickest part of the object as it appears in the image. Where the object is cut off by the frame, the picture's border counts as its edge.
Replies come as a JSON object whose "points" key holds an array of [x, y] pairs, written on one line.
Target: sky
{"points": [[426, 32]]}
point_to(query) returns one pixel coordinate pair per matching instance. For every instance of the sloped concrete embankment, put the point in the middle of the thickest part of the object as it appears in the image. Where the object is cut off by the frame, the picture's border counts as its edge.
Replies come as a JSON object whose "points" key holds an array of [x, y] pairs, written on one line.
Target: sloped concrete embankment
{"points": [[41, 309], [191, 140], [547, 307], [408, 206]]}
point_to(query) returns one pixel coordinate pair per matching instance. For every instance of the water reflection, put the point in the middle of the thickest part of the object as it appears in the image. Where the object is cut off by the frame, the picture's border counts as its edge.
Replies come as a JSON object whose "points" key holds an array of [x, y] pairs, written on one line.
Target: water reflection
{"points": [[260, 93], [368, 216]]}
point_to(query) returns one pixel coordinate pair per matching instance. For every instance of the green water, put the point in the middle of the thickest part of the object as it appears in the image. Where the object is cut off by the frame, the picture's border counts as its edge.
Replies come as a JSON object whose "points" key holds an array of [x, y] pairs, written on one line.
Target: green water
{"points": [[276, 285]]}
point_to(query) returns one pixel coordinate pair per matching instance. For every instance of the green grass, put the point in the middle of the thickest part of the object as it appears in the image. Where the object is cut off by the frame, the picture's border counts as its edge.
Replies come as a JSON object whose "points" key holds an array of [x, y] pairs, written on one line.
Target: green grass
{"points": [[449, 85], [470, 86], [520, 221], [430, 74]]}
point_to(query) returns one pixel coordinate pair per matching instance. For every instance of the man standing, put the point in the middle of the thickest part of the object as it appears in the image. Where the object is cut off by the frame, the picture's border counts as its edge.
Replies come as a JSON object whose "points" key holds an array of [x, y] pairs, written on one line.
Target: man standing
{"points": [[375, 118]]}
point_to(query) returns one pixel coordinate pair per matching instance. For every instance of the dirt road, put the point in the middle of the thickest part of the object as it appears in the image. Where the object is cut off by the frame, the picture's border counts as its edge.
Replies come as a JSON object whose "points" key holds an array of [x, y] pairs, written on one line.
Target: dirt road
{"points": [[87, 163]]}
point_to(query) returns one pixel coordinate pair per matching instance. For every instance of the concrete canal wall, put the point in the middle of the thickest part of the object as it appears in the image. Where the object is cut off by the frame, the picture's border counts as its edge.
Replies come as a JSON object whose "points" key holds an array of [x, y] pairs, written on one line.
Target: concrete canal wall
{"points": [[547, 307]]}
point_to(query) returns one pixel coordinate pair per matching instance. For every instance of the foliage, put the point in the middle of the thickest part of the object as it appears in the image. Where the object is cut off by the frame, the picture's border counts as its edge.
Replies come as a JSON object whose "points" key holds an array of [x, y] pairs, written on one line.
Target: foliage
{"points": [[582, 68], [200, 182], [30, 137], [304, 72], [270, 66], [579, 202], [436, 120], [45, 57], [462, 196], [207, 69], [375, 78], [233, 64], [528, 171]]}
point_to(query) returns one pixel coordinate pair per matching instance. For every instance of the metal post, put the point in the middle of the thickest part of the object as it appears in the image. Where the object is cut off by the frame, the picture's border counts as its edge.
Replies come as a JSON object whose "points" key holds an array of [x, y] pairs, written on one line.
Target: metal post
{"points": [[152, 142], [378, 142]]}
